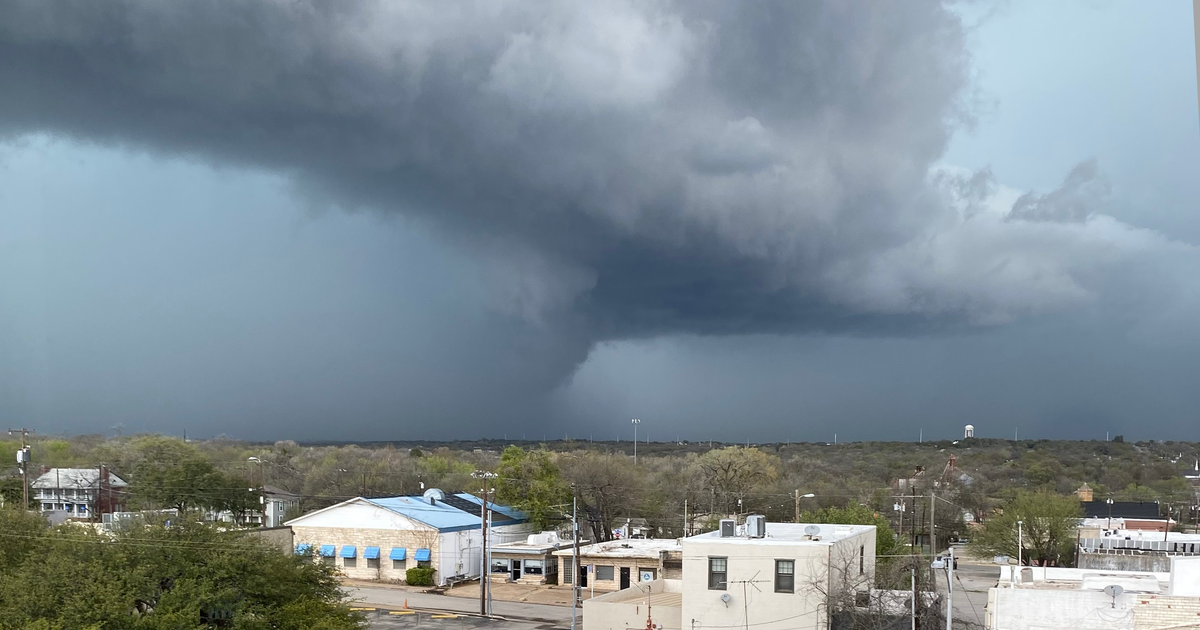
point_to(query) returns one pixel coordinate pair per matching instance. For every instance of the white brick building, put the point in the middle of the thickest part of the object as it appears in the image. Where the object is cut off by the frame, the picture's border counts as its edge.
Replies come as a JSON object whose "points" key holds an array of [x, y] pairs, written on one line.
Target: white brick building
{"points": [[380, 539]]}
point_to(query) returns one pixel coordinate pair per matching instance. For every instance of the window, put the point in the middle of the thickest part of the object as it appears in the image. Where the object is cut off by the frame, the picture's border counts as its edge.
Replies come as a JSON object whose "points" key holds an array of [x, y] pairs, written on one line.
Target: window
{"points": [[372, 563], [604, 572], [785, 576], [327, 560], [349, 563], [717, 573], [499, 566], [568, 574], [397, 564], [533, 567], [862, 554], [424, 563]]}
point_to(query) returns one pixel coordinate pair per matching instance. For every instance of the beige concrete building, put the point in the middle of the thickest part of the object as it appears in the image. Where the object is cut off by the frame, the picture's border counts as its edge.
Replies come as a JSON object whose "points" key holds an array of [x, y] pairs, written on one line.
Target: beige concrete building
{"points": [[1032, 598], [380, 539], [779, 578], [617, 564], [530, 561], [660, 601]]}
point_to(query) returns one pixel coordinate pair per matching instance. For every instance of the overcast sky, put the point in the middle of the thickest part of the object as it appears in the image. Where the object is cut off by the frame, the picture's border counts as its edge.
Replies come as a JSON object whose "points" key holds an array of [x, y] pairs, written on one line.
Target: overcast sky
{"points": [[381, 220]]}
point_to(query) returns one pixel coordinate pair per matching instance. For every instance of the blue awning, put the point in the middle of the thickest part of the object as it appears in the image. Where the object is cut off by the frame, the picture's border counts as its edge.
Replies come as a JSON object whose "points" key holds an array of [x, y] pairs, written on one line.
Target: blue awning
{"points": [[328, 551], [371, 553], [397, 553], [349, 551], [304, 549], [422, 555]]}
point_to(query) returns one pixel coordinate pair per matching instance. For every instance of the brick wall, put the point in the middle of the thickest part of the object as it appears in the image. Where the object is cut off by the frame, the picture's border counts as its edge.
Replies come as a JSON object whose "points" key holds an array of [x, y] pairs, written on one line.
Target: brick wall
{"points": [[385, 539], [635, 565], [1158, 611]]}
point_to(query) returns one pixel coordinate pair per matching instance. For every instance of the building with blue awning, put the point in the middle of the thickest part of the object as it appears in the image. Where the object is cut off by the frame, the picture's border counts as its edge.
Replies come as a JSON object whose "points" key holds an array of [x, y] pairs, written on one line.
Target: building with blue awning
{"points": [[438, 530]]}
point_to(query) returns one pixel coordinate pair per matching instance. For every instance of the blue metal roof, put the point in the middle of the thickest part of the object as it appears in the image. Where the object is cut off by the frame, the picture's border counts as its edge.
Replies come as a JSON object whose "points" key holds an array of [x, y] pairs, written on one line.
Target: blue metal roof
{"points": [[349, 551], [422, 555], [371, 553], [443, 517], [328, 551], [304, 549], [506, 510], [397, 553]]}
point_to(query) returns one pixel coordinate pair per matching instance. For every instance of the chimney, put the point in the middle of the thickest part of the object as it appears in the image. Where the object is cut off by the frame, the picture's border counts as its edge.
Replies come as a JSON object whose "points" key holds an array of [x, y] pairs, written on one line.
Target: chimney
{"points": [[103, 494]]}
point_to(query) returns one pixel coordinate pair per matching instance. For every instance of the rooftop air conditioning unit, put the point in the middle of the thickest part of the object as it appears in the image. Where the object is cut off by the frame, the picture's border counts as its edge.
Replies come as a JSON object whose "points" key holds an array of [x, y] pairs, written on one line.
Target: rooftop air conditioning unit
{"points": [[728, 528], [756, 526]]}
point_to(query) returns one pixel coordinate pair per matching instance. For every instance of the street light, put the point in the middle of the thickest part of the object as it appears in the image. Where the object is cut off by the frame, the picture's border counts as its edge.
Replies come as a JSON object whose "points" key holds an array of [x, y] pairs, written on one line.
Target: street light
{"points": [[1020, 543], [1109, 501], [635, 422], [262, 490]]}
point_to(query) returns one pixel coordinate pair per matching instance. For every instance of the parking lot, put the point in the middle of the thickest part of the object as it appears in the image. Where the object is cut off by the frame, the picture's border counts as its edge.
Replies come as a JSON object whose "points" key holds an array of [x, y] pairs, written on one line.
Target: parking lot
{"points": [[393, 619]]}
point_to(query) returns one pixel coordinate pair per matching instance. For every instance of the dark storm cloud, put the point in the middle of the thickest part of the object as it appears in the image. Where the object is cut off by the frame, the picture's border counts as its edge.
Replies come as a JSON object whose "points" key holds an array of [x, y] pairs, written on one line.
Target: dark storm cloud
{"points": [[635, 169]]}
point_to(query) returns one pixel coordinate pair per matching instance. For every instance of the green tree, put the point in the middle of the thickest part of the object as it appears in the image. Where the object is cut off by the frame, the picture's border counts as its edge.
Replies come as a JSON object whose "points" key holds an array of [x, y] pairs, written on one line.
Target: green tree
{"points": [[157, 578], [1048, 523], [532, 482], [732, 472], [171, 473], [852, 513]]}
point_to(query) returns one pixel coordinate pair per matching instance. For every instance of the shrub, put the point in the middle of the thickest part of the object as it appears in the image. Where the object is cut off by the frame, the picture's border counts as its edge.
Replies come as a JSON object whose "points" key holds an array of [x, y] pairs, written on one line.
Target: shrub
{"points": [[420, 576]]}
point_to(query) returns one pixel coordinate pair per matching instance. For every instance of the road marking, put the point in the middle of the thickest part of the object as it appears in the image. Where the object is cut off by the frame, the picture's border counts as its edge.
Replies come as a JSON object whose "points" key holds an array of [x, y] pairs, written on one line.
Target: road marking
{"points": [[443, 616], [401, 612]]}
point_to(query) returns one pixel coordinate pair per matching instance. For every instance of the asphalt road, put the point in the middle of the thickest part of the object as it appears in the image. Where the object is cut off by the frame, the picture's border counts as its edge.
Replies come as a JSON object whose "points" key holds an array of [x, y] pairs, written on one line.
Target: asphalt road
{"points": [[971, 584], [541, 614]]}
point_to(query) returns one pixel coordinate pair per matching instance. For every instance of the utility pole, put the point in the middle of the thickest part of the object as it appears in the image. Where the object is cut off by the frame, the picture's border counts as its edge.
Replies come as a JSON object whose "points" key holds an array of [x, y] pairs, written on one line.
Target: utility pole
{"points": [[635, 422], [932, 533], [23, 457], [912, 577], [575, 549], [950, 591], [685, 518], [798, 497], [484, 581]]}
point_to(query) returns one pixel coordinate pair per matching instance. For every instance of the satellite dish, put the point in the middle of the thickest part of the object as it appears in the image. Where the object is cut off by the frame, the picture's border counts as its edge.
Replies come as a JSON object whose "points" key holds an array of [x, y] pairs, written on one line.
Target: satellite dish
{"points": [[1113, 590], [812, 530], [726, 598]]}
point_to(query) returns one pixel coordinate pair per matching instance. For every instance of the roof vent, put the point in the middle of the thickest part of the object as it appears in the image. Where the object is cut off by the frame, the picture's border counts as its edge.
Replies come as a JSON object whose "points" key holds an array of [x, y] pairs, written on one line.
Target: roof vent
{"points": [[433, 494], [728, 528]]}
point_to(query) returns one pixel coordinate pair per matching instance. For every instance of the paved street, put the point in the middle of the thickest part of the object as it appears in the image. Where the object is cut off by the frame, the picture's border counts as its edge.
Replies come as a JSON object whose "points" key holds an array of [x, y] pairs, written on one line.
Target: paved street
{"points": [[415, 620], [383, 597], [971, 583]]}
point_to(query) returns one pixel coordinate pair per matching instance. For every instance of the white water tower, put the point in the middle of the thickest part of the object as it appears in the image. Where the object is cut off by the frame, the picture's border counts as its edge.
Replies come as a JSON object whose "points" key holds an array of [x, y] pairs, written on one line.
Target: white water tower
{"points": [[969, 431]]}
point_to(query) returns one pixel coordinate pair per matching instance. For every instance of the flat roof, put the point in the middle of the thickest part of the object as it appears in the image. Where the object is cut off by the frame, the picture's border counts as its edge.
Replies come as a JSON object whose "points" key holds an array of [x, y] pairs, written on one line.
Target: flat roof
{"points": [[627, 548], [790, 533], [525, 547], [1072, 579], [635, 596]]}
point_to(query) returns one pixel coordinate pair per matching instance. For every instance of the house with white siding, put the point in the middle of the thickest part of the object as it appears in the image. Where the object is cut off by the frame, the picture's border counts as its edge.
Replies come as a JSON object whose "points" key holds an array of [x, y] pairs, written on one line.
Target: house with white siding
{"points": [[79, 492], [380, 539]]}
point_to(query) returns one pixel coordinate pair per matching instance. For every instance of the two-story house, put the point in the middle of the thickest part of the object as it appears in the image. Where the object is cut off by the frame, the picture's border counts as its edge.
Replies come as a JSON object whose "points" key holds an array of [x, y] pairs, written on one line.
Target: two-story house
{"points": [[78, 491]]}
